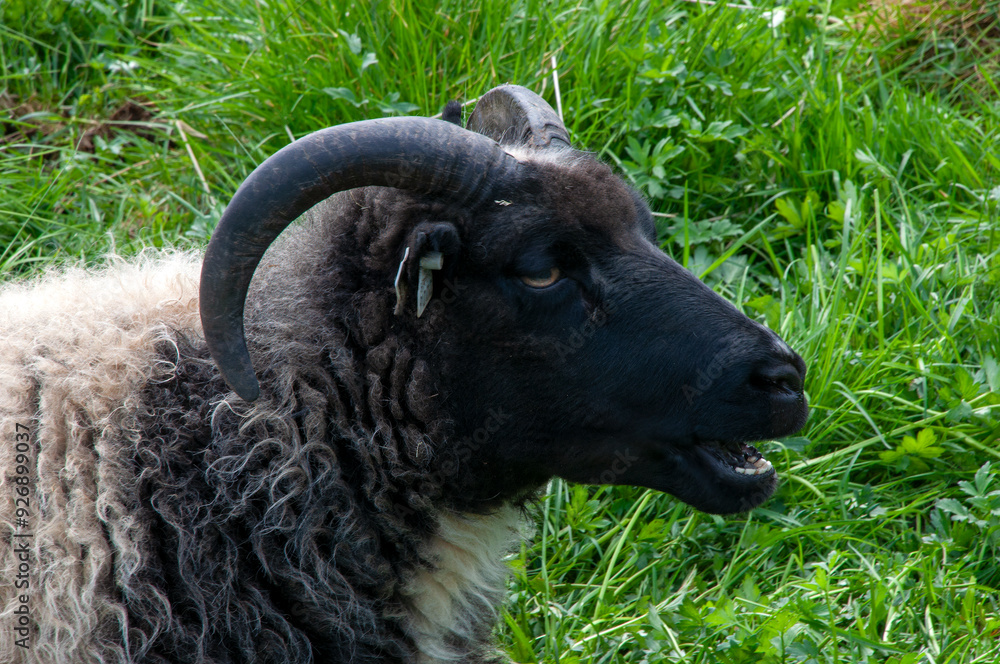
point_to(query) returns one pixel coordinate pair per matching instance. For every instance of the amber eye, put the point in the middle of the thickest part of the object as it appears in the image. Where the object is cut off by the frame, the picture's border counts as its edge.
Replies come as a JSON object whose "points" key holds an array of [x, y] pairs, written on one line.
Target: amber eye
{"points": [[542, 280]]}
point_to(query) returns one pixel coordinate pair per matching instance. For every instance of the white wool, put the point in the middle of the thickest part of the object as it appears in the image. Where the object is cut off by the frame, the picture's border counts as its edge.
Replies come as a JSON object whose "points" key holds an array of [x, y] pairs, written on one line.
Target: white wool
{"points": [[74, 348], [559, 156], [465, 578]]}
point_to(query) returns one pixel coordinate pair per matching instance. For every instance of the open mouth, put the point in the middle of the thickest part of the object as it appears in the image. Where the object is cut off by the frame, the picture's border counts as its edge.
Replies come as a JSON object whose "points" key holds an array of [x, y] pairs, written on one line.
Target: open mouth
{"points": [[711, 475], [742, 458]]}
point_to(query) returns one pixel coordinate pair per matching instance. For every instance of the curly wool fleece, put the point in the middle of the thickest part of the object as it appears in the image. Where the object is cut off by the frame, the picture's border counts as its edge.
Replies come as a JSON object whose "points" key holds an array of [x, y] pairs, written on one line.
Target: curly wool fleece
{"points": [[171, 525]]}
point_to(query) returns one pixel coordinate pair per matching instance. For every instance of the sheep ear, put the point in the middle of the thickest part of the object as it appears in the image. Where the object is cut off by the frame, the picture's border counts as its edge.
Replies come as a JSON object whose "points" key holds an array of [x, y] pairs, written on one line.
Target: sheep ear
{"points": [[427, 246]]}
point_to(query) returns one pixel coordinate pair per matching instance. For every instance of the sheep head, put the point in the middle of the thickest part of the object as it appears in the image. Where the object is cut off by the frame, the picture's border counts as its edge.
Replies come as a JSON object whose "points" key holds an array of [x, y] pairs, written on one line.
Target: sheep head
{"points": [[562, 340]]}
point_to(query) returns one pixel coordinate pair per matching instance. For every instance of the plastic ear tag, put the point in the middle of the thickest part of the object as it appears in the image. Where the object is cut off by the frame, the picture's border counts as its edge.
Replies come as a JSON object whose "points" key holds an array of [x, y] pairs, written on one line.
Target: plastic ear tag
{"points": [[400, 285], [432, 260]]}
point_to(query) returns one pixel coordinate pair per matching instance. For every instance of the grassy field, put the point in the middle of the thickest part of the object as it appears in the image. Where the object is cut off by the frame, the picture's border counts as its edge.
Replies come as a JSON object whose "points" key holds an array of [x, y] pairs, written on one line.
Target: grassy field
{"points": [[832, 169]]}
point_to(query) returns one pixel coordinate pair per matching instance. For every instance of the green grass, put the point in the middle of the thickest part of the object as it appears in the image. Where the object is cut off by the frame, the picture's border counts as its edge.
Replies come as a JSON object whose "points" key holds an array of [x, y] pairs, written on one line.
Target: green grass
{"points": [[837, 186]]}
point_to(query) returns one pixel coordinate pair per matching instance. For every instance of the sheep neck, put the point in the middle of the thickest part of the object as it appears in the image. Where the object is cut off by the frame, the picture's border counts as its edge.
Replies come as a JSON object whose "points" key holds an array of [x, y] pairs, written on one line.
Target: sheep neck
{"points": [[452, 597]]}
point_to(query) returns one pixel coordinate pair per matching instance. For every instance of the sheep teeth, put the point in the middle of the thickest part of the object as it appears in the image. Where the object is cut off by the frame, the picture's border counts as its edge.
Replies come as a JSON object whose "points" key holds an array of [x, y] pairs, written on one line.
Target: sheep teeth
{"points": [[760, 466]]}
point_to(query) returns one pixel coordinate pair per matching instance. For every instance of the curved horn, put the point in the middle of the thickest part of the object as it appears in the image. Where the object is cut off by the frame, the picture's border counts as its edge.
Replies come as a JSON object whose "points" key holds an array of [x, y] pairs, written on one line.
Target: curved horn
{"points": [[514, 115], [416, 154]]}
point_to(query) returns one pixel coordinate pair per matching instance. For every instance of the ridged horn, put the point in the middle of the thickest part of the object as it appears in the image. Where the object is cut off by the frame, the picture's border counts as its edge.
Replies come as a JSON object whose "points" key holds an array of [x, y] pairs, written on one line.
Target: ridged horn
{"points": [[514, 115], [416, 154]]}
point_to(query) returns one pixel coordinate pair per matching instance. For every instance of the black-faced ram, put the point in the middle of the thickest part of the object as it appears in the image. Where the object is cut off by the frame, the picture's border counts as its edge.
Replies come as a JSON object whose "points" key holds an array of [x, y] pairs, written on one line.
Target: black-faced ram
{"points": [[329, 463]]}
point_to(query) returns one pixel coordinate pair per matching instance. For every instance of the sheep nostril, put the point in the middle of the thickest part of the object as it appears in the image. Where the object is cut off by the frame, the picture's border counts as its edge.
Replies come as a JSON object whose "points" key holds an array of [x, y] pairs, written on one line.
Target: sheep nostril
{"points": [[782, 377]]}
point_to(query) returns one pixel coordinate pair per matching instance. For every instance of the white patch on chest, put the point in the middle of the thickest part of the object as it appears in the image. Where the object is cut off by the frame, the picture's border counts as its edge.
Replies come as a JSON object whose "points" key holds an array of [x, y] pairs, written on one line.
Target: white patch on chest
{"points": [[456, 597]]}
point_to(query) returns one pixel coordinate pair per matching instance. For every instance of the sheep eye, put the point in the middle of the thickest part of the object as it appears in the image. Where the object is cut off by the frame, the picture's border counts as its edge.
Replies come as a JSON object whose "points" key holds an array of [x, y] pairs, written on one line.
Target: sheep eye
{"points": [[543, 279]]}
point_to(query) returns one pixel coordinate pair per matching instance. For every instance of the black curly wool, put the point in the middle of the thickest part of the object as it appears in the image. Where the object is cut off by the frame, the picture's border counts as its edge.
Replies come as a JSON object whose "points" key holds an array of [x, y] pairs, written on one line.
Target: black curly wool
{"points": [[284, 532], [269, 549]]}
